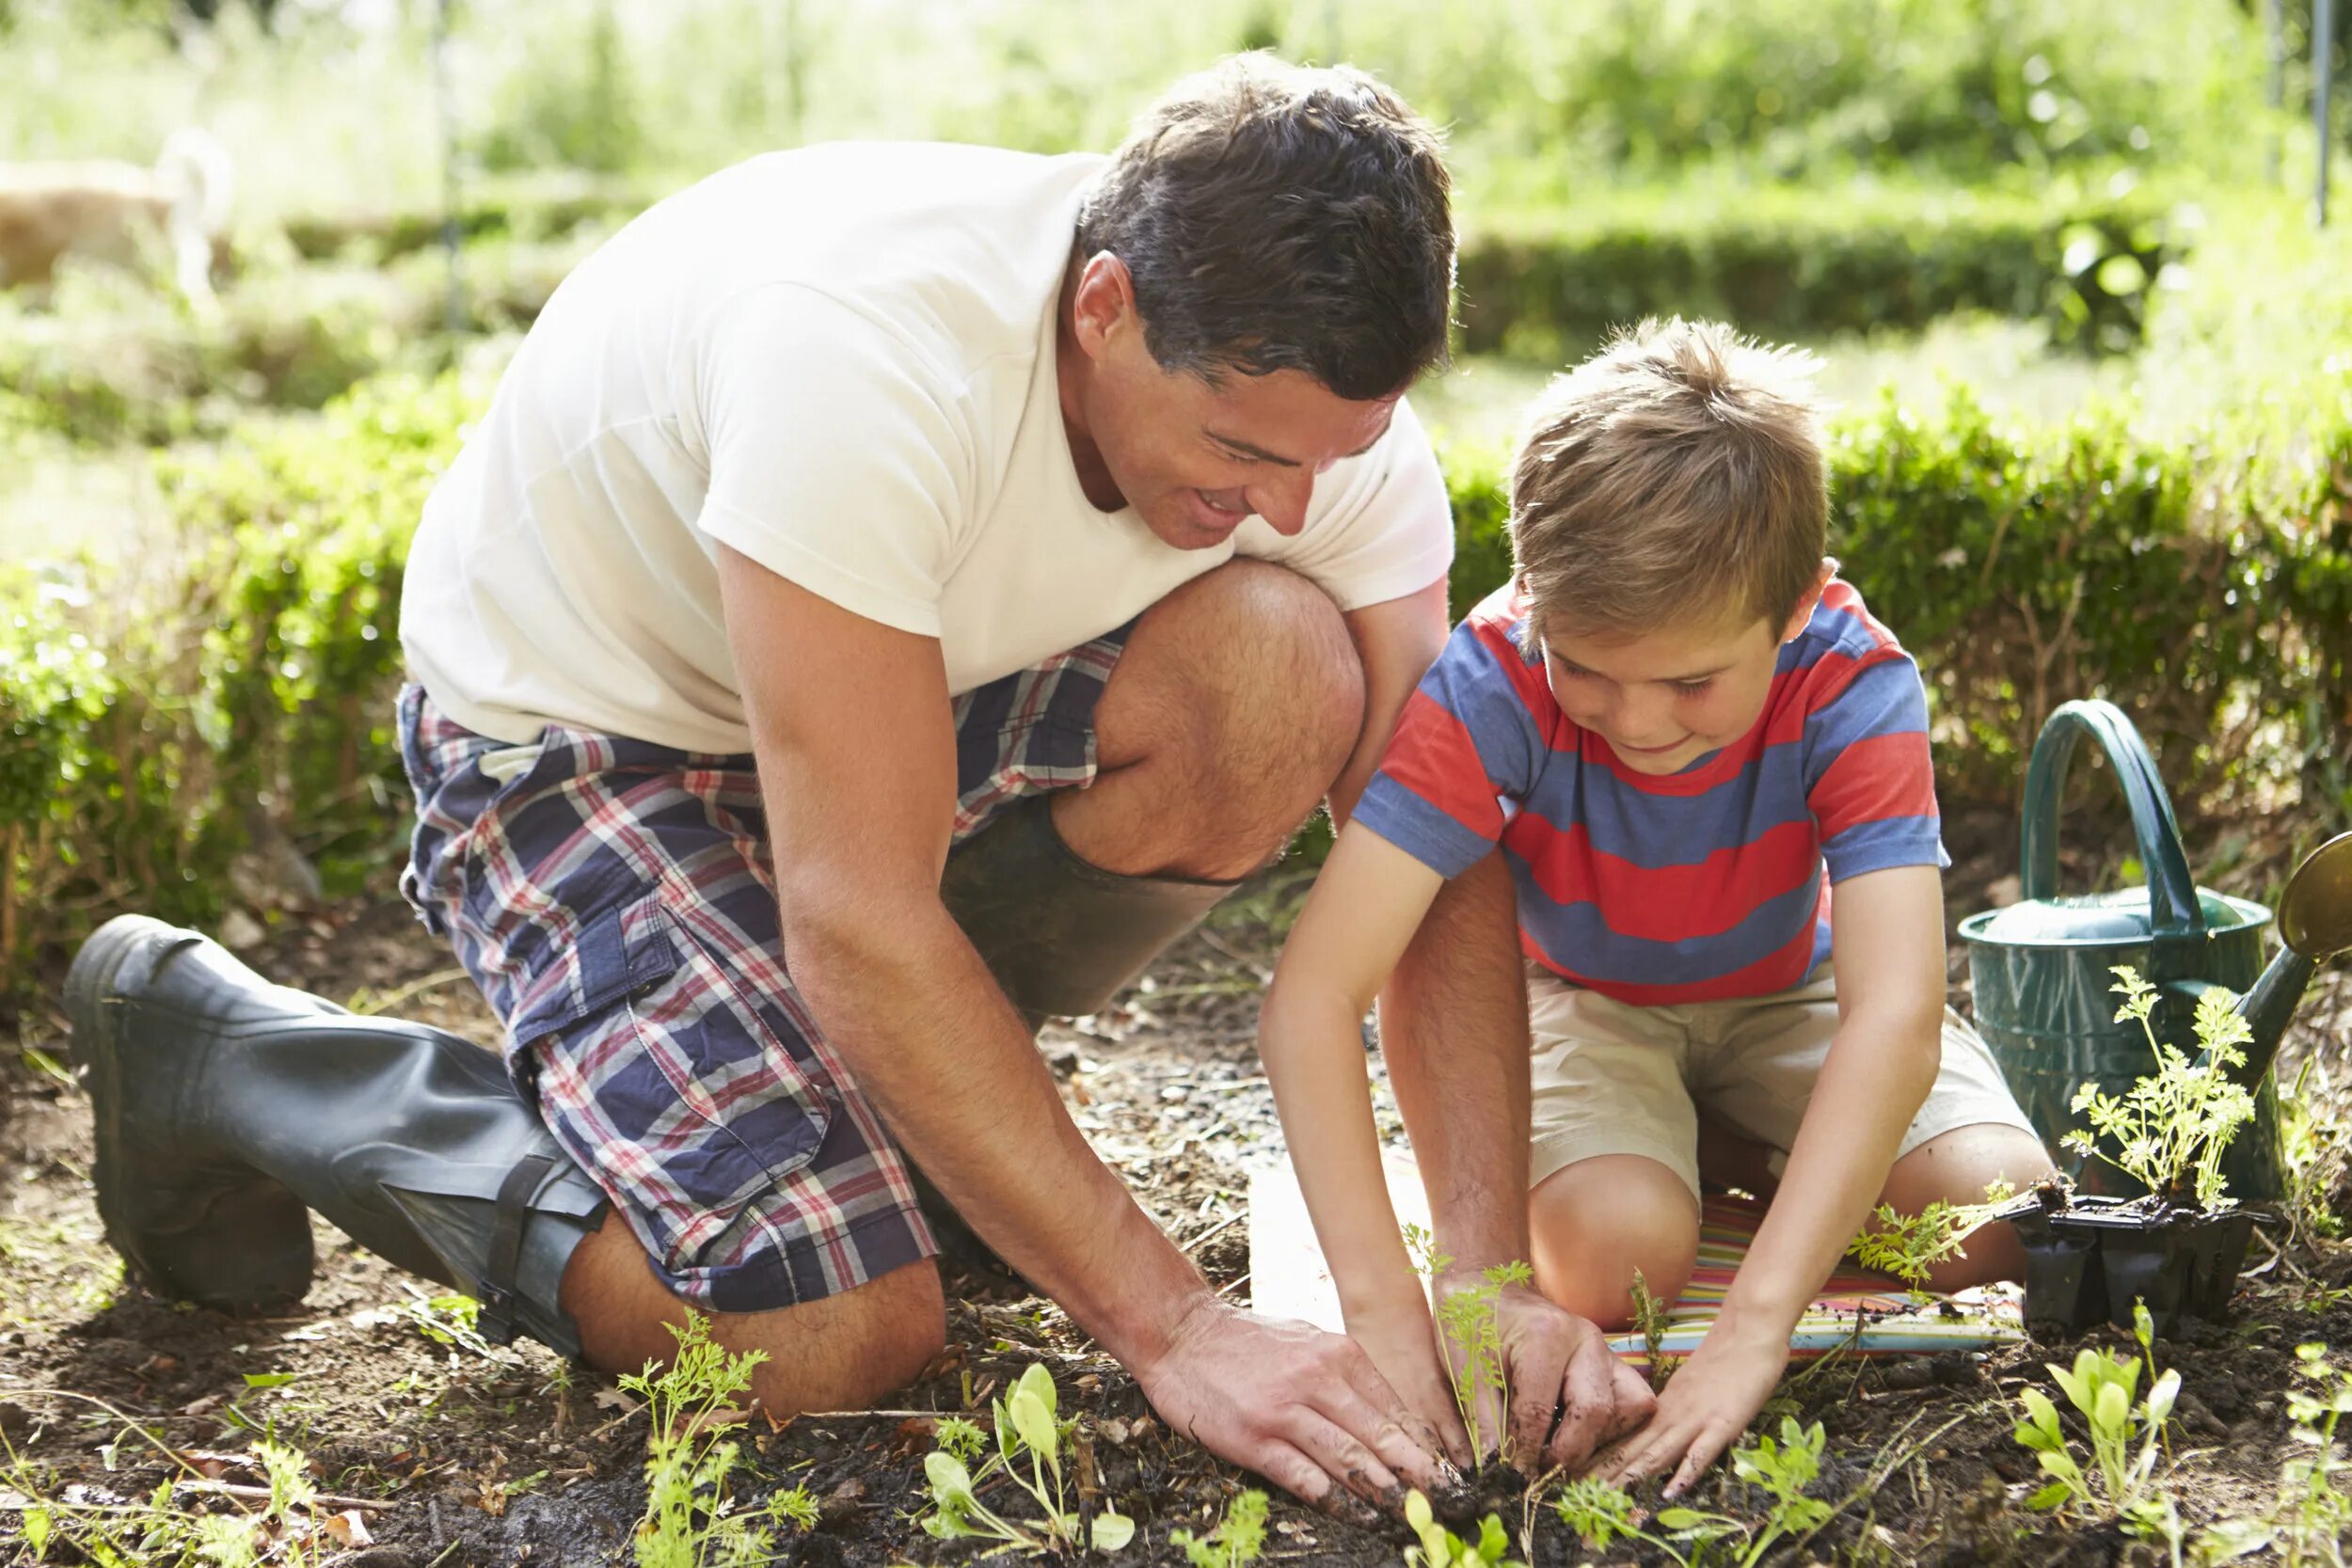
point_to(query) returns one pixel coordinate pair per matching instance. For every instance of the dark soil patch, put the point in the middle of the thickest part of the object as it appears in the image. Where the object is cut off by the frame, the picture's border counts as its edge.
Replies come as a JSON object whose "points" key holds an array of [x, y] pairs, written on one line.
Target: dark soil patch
{"points": [[509, 1457]]}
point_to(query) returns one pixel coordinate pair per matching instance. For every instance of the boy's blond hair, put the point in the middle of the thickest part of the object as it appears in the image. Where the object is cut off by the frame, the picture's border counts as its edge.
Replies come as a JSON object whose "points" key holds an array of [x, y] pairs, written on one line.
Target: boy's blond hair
{"points": [[1677, 475]]}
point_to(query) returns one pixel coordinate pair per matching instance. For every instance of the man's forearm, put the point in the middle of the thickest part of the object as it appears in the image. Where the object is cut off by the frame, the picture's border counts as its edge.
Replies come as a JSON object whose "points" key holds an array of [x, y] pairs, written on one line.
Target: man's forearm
{"points": [[930, 1038], [1454, 1032]]}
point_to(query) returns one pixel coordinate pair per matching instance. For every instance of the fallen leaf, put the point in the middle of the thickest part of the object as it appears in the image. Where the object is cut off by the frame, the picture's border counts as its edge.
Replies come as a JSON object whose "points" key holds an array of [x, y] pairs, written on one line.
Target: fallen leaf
{"points": [[615, 1399], [724, 1416]]}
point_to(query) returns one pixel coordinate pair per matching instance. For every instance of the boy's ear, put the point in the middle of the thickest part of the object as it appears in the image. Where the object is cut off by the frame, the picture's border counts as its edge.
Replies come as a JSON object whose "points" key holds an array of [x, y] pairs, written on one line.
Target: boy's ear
{"points": [[1805, 606]]}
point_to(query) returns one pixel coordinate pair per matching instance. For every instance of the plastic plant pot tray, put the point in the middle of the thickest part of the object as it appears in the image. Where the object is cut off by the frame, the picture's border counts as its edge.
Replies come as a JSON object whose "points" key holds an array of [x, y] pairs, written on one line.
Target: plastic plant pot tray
{"points": [[2090, 1258]]}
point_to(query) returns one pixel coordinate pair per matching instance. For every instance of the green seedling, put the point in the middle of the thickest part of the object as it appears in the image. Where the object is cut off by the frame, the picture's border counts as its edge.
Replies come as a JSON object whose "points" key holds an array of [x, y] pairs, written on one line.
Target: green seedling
{"points": [[2126, 1431], [2171, 1128], [1026, 1428], [1908, 1246], [1600, 1511], [2313, 1513], [689, 1519], [1649, 1316], [1471, 1317], [1236, 1540], [1440, 1547]]}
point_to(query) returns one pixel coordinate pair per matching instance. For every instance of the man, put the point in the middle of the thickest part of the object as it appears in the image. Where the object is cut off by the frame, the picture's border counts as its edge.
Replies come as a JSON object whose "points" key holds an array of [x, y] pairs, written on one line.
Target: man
{"points": [[895, 592]]}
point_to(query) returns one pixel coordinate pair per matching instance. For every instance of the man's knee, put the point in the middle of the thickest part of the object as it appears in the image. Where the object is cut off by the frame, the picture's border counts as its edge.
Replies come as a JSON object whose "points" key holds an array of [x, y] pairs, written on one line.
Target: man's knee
{"points": [[837, 1352], [1598, 1223], [1253, 680]]}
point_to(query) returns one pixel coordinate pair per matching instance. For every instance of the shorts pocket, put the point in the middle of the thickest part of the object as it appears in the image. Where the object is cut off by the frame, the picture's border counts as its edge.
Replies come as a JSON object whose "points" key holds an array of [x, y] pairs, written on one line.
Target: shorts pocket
{"points": [[674, 1083]]}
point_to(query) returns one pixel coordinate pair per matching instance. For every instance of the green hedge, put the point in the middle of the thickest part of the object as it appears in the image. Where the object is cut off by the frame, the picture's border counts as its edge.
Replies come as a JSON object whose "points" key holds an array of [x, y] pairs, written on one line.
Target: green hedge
{"points": [[173, 728], [2207, 590], [170, 728], [1791, 263]]}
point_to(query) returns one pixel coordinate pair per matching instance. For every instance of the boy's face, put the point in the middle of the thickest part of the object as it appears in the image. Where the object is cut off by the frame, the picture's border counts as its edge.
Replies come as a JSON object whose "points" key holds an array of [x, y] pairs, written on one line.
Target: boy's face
{"points": [[1666, 698]]}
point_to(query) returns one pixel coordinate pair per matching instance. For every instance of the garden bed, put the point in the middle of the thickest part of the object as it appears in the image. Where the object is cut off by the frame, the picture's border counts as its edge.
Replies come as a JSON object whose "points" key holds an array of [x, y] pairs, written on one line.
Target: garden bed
{"points": [[493, 1458]]}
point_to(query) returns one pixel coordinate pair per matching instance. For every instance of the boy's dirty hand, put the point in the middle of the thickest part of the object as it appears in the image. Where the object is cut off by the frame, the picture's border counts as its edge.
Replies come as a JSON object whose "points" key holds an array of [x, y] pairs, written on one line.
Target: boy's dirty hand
{"points": [[1705, 1409], [1403, 1342]]}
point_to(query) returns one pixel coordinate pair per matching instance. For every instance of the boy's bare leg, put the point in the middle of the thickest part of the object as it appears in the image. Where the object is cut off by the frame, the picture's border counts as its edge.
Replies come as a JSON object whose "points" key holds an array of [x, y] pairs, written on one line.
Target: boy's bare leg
{"points": [[1957, 1167], [1594, 1222], [842, 1353]]}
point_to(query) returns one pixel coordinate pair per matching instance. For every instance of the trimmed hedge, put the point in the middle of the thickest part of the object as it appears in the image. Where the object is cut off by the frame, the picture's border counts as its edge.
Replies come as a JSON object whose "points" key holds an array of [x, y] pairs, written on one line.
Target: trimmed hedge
{"points": [[171, 730], [1790, 262]]}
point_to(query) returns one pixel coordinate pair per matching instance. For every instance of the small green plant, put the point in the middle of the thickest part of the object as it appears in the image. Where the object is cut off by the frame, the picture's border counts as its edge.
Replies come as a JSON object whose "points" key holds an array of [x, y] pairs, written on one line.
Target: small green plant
{"points": [[1471, 1317], [2172, 1125], [1440, 1547], [1236, 1540], [2313, 1515], [689, 1519], [1908, 1246], [1027, 1427], [1601, 1511], [1650, 1317], [2126, 1431]]}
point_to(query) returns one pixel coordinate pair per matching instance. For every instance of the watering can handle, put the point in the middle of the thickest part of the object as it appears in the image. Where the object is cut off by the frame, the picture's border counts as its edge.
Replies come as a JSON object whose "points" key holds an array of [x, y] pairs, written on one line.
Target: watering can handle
{"points": [[2174, 911]]}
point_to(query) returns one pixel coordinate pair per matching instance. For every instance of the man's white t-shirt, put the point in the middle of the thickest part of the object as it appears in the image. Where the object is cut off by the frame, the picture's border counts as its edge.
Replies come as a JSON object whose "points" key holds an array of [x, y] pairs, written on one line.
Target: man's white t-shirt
{"points": [[838, 361]]}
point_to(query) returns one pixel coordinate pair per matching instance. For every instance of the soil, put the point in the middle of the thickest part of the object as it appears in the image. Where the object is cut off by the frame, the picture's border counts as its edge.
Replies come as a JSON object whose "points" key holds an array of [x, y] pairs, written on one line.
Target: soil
{"points": [[502, 1456]]}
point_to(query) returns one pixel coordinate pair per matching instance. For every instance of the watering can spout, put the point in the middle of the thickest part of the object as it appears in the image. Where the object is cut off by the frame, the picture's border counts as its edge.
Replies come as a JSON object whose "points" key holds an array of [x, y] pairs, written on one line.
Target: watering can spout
{"points": [[2314, 924]]}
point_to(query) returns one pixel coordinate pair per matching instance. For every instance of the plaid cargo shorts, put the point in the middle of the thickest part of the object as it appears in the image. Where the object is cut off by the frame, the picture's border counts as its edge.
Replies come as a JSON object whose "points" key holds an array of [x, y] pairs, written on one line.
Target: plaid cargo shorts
{"points": [[616, 903]]}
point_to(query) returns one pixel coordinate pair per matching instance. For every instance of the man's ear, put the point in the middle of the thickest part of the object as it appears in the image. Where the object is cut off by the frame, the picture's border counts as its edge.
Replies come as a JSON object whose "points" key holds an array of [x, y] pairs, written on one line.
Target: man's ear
{"points": [[1805, 606], [1104, 301]]}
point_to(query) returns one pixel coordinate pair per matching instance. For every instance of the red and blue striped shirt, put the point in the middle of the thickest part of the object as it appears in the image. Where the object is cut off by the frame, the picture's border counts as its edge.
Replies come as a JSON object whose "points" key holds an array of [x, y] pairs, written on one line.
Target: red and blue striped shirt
{"points": [[1709, 884]]}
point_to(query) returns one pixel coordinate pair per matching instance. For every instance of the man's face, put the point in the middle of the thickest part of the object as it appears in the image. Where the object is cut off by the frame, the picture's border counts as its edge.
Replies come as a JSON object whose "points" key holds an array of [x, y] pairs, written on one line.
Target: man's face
{"points": [[1666, 698], [1194, 460]]}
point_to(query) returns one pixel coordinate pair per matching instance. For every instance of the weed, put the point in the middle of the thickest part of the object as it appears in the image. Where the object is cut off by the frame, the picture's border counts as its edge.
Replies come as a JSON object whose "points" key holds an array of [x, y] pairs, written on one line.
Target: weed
{"points": [[2171, 1126], [2125, 1432], [2314, 1143], [1440, 1547], [1236, 1540], [449, 1320], [690, 1520], [1026, 1427]]}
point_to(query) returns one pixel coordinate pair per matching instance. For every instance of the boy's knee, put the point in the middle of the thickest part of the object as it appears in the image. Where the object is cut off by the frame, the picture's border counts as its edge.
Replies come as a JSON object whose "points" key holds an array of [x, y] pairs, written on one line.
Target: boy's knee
{"points": [[1598, 1223], [1957, 1167]]}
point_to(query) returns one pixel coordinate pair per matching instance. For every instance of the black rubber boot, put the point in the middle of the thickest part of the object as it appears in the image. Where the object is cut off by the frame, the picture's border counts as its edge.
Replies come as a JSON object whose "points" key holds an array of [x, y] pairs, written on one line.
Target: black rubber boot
{"points": [[227, 1106], [1062, 937]]}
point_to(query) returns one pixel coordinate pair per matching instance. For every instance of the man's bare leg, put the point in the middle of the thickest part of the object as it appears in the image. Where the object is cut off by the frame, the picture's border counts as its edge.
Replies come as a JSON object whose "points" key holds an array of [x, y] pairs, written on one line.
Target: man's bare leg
{"points": [[841, 1353]]}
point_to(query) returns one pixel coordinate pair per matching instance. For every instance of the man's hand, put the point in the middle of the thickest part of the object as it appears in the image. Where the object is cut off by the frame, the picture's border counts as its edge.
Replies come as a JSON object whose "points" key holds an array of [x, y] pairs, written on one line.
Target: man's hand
{"points": [[1303, 1408], [1558, 1364], [1704, 1410]]}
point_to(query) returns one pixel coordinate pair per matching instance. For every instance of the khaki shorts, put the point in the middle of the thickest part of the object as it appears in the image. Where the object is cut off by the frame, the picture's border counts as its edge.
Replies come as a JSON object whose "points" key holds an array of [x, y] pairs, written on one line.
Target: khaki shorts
{"points": [[1611, 1078]]}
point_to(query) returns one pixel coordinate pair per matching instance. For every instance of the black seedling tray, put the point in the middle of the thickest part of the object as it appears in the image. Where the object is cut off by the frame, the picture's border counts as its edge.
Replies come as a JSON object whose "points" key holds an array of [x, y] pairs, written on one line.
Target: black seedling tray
{"points": [[2090, 1258]]}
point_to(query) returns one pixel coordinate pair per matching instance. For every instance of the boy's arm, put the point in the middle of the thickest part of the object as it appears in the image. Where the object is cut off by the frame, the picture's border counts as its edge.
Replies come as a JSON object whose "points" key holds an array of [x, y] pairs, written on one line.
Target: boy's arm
{"points": [[1887, 945], [1367, 902]]}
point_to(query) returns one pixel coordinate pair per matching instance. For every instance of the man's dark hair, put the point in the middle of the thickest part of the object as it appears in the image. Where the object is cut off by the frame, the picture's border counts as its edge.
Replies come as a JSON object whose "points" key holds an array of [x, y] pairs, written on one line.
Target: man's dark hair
{"points": [[1276, 216]]}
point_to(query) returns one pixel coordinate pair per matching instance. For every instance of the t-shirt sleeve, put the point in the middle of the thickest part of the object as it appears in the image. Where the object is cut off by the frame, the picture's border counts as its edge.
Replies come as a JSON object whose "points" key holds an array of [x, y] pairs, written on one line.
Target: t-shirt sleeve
{"points": [[838, 455], [1465, 746], [1870, 778], [1379, 526]]}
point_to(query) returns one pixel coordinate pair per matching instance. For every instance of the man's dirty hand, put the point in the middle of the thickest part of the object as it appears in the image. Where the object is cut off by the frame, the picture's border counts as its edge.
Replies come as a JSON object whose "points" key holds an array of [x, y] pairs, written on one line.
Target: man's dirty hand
{"points": [[1304, 1408], [1558, 1366]]}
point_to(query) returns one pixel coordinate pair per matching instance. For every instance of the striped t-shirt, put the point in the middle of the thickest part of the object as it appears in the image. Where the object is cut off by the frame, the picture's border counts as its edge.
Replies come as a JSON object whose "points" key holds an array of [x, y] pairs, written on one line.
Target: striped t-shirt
{"points": [[1695, 886]]}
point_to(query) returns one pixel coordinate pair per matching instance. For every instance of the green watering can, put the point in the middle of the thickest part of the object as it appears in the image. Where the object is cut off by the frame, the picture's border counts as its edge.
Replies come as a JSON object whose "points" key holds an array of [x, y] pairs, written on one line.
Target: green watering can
{"points": [[2043, 968]]}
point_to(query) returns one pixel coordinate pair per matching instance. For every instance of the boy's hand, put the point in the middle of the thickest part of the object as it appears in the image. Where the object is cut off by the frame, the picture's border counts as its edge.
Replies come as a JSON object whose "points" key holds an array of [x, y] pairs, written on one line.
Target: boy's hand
{"points": [[1402, 1340], [1704, 1410], [1559, 1364]]}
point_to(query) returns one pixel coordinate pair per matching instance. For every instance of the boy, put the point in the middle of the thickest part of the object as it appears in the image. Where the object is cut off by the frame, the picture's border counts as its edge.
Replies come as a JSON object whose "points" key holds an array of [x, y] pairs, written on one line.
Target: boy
{"points": [[1682, 730]]}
